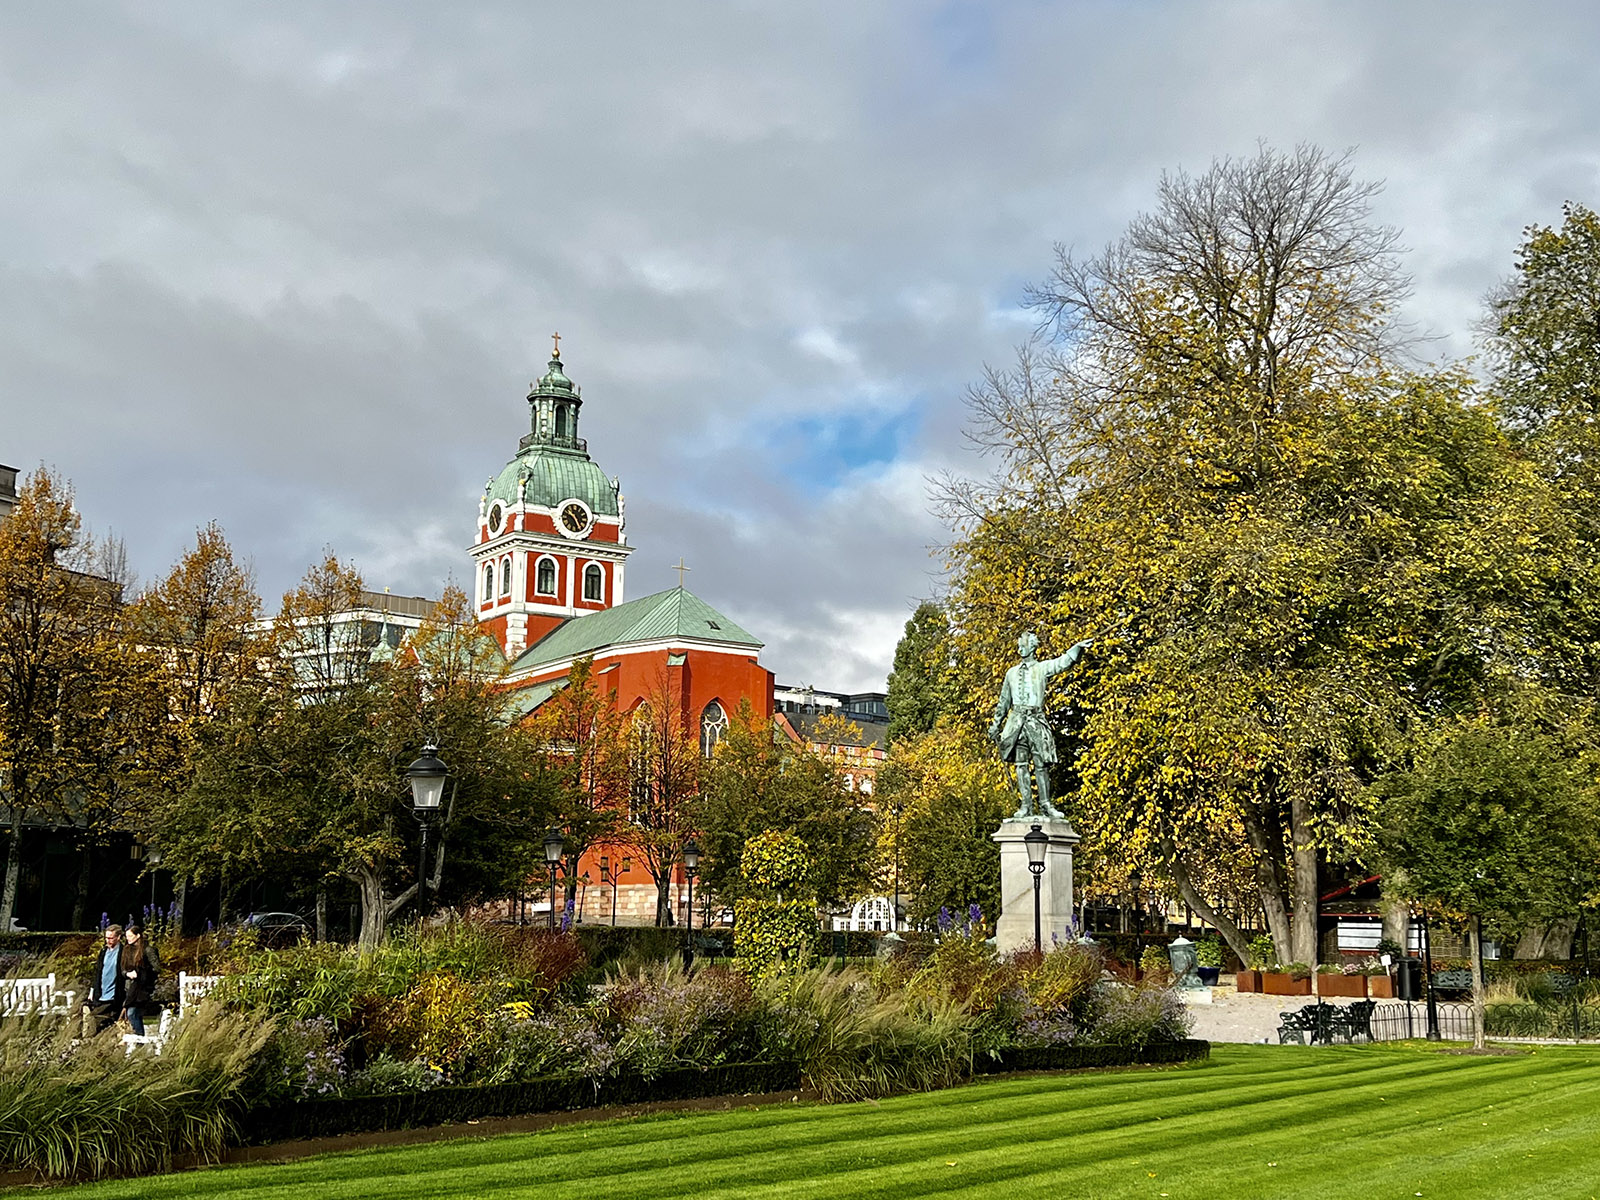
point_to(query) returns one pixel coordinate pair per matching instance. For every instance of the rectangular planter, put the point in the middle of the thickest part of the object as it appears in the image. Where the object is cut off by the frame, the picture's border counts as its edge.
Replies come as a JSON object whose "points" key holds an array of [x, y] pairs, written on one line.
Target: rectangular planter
{"points": [[1354, 986], [1247, 980], [1380, 987], [1276, 983]]}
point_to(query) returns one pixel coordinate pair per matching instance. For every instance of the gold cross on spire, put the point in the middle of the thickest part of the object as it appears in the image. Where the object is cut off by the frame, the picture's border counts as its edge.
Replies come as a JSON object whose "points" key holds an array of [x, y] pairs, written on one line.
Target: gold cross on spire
{"points": [[680, 569], [556, 338]]}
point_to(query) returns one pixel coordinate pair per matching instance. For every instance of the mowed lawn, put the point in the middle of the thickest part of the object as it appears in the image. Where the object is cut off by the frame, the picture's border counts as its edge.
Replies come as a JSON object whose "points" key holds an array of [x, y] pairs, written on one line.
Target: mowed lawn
{"points": [[1255, 1121]]}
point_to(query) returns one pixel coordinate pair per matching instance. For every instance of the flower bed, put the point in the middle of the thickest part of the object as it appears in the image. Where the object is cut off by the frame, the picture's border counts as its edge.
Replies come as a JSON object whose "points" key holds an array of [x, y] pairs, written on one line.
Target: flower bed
{"points": [[470, 1021]]}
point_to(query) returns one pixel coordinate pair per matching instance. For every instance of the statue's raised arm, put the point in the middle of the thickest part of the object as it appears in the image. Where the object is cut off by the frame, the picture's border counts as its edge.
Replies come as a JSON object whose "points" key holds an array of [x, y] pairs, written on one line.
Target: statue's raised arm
{"points": [[1019, 726]]}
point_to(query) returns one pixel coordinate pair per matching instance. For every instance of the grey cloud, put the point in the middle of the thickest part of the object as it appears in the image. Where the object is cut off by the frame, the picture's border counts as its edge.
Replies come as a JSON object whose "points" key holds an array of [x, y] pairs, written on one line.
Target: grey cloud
{"points": [[292, 267]]}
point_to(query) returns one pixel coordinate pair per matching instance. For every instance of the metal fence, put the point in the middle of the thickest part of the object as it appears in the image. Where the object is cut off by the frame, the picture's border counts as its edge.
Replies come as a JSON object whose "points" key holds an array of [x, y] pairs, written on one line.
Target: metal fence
{"points": [[1397, 1022]]}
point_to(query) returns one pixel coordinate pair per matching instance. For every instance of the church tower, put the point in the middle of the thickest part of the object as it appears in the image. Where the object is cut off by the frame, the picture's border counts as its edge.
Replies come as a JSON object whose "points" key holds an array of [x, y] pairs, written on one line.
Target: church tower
{"points": [[552, 537]]}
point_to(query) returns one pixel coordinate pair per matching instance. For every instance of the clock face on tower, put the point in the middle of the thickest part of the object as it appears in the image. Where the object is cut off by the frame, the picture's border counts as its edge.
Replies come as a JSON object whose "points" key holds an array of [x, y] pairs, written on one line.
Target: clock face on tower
{"points": [[496, 515], [575, 518]]}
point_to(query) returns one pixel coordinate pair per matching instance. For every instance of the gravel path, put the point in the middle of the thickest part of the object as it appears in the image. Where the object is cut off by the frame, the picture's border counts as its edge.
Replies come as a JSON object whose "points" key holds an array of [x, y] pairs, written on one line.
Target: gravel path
{"points": [[1252, 1017]]}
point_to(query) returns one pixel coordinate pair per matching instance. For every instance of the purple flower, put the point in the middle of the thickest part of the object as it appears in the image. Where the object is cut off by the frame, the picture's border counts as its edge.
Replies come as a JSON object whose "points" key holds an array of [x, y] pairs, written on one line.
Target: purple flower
{"points": [[945, 919], [974, 915], [105, 919]]}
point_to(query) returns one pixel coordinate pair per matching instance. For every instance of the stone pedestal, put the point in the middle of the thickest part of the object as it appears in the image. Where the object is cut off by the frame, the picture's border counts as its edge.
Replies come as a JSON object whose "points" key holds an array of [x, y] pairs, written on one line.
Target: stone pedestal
{"points": [[1056, 912]]}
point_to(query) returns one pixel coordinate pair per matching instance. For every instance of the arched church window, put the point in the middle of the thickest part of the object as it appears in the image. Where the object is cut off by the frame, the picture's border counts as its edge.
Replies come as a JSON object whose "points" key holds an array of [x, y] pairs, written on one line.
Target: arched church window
{"points": [[546, 580], [505, 578], [561, 422], [594, 582], [713, 724], [488, 581]]}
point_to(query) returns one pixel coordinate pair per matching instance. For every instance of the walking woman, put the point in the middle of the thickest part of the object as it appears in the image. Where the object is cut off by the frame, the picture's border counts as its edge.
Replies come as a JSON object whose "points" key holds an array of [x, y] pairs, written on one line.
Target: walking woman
{"points": [[139, 967]]}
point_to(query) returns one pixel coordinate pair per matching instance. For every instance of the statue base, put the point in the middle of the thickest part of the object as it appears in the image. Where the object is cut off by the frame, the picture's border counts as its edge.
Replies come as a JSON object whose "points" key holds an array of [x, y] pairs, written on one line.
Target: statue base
{"points": [[1057, 914]]}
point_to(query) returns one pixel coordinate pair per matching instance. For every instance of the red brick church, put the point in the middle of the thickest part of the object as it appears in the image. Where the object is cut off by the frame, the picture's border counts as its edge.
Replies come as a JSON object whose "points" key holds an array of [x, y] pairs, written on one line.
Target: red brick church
{"points": [[550, 561]]}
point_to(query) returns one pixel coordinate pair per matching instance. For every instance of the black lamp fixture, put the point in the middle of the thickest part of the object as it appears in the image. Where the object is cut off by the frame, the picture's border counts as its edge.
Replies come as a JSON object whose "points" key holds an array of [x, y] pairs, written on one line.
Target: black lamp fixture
{"points": [[554, 844], [691, 868], [426, 775], [1037, 841]]}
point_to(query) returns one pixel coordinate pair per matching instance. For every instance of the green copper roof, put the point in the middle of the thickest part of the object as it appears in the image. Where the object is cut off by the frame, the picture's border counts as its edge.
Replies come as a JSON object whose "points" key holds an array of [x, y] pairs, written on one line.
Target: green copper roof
{"points": [[666, 616], [554, 475]]}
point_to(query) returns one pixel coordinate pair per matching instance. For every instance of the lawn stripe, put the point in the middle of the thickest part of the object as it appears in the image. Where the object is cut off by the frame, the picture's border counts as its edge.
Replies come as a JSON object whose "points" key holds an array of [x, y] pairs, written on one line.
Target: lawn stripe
{"points": [[1204, 1130]]}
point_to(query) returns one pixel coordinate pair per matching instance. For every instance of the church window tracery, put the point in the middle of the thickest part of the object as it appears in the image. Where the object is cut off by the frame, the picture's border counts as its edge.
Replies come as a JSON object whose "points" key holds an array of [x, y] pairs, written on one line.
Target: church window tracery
{"points": [[713, 724]]}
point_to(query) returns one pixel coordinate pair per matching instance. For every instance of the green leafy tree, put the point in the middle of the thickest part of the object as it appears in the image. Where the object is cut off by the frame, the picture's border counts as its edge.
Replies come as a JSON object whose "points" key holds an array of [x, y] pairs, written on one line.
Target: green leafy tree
{"points": [[1496, 824], [919, 683], [1288, 551], [949, 792], [756, 783]]}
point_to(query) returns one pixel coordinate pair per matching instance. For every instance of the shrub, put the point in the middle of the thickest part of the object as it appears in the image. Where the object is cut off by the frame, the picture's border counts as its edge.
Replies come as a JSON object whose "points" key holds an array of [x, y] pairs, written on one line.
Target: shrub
{"points": [[301, 982], [1137, 1017], [1331, 968], [1157, 967], [444, 1020], [776, 927], [1208, 952], [964, 970], [662, 1017], [1263, 953], [301, 1059], [1298, 970], [385, 1075]]}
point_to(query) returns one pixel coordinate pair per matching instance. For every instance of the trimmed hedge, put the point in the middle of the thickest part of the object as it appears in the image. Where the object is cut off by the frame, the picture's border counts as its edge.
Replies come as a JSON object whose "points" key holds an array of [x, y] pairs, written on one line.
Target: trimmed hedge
{"points": [[1074, 1058], [437, 1106]]}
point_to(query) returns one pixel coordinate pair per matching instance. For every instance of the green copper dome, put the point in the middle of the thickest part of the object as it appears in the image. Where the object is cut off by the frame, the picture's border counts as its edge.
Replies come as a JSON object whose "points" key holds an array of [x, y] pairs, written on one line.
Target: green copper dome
{"points": [[553, 464], [544, 476]]}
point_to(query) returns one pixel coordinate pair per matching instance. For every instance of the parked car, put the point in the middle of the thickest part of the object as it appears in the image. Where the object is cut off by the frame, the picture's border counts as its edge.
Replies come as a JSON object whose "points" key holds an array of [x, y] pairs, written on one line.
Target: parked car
{"points": [[278, 929]]}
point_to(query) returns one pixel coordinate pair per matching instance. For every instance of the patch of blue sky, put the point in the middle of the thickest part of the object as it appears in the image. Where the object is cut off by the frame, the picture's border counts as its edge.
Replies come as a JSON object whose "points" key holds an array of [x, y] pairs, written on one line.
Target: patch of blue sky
{"points": [[821, 451]]}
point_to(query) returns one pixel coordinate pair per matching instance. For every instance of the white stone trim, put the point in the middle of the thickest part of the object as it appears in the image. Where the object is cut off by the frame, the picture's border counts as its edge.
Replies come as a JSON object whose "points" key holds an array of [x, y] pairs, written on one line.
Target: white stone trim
{"points": [[545, 555]]}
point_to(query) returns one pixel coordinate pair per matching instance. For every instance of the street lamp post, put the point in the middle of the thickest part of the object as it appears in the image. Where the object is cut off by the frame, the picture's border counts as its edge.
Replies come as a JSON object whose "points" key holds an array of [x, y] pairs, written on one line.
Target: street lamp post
{"points": [[426, 775], [553, 846], [1036, 840], [691, 868]]}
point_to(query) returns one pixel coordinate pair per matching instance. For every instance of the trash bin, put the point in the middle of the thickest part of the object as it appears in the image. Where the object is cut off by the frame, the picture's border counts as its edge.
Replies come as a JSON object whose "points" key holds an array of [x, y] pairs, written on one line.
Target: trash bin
{"points": [[1408, 979]]}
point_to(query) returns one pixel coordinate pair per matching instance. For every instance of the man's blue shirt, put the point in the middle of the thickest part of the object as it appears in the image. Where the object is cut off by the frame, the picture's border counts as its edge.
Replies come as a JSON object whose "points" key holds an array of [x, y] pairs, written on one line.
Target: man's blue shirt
{"points": [[108, 974]]}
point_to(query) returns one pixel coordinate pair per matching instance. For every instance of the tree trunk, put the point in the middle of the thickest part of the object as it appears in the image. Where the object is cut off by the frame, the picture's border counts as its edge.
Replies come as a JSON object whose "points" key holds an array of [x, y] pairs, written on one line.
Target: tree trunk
{"points": [[1306, 892], [1397, 924], [80, 901], [8, 896], [1230, 931], [322, 913], [180, 902], [1269, 882], [1475, 953], [663, 900], [374, 909]]}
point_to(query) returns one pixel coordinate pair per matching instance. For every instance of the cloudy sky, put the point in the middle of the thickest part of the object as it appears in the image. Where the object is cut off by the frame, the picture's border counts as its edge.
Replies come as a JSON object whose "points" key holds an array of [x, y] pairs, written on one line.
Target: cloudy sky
{"points": [[292, 266]]}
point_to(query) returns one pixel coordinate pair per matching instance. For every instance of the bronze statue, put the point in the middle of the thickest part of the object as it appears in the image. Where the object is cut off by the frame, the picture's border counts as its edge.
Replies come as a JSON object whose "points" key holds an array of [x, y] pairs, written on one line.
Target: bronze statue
{"points": [[1019, 727]]}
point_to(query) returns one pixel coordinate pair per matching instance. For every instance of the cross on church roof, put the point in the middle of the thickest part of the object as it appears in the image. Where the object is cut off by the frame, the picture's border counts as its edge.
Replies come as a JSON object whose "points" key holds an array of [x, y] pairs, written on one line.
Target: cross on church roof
{"points": [[556, 338], [680, 569]]}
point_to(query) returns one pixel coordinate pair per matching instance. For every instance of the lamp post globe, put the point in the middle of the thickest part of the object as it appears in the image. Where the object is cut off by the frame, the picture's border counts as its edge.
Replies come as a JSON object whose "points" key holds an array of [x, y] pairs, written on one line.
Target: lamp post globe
{"points": [[554, 844], [691, 868], [426, 775], [1037, 842]]}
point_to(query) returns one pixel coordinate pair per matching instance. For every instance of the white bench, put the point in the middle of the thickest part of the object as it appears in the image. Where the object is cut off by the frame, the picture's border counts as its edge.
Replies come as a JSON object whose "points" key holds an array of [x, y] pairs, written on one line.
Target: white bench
{"points": [[23, 997], [191, 990]]}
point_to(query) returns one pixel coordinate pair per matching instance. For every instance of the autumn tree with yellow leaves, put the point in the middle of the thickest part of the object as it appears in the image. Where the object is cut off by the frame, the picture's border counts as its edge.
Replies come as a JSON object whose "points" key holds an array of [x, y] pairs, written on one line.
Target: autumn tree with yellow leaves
{"points": [[1289, 549]]}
